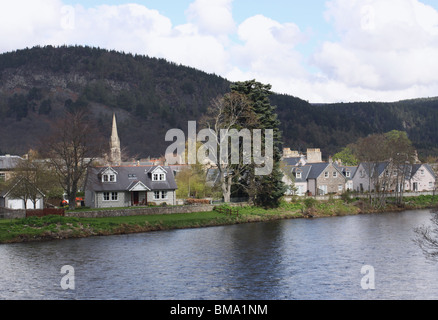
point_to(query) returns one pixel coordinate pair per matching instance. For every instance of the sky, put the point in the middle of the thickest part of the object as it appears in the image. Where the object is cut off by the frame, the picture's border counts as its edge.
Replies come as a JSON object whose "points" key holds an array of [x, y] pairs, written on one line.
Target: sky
{"points": [[322, 51]]}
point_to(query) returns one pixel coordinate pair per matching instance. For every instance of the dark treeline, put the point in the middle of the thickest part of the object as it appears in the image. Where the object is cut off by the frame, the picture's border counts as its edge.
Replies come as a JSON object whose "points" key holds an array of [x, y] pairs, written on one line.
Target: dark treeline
{"points": [[152, 95]]}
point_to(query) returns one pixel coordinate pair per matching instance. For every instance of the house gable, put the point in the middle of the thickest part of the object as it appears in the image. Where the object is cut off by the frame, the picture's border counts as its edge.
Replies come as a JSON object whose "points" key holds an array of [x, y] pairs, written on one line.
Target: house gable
{"points": [[138, 186]]}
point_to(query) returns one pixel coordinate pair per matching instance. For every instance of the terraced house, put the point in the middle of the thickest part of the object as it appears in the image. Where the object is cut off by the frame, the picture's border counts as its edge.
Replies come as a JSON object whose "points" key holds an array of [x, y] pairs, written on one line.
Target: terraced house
{"points": [[126, 186]]}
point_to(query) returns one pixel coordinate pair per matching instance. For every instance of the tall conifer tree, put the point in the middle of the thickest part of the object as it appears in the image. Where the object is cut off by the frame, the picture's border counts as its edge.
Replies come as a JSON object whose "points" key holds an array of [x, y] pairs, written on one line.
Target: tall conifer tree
{"points": [[266, 190]]}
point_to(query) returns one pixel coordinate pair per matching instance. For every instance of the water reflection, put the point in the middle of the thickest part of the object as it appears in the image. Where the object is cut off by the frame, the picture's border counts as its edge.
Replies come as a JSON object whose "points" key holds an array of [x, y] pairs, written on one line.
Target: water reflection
{"points": [[293, 259]]}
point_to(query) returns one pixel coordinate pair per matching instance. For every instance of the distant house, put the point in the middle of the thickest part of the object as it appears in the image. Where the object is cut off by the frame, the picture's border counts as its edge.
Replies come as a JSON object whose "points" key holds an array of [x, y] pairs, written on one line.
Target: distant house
{"points": [[325, 178], [7, 165], [418, 177], [348, 172], [422, 178], [8, 200], [296, 175], [315, 178], [126, 186]]}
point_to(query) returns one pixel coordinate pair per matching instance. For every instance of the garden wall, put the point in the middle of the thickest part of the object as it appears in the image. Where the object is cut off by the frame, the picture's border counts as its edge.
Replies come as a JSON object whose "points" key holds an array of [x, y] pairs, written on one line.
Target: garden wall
{"points": [[140, 211]]}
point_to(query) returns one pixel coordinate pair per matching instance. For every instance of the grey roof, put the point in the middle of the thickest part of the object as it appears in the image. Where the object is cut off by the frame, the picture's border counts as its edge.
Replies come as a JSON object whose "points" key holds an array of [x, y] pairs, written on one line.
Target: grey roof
{"points": [[303, 169], [345, 169], [128, 177], [9, 162], [292, 161], [317, 169]]}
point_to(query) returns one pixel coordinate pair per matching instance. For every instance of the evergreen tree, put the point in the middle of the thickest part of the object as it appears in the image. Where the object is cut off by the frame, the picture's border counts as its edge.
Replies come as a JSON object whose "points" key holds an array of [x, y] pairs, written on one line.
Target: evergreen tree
{"points": [[267, 190]]}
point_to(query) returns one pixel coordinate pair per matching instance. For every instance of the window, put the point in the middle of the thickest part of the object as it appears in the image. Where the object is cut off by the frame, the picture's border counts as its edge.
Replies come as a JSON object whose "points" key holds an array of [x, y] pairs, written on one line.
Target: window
{"points": [[159, 195], [298, 175], [158, 177], [326, 174], [340, 188], [422, 172], [2, 177], [110, 196], [335, 174], [348, 174], [109, 178], [430, 185]]}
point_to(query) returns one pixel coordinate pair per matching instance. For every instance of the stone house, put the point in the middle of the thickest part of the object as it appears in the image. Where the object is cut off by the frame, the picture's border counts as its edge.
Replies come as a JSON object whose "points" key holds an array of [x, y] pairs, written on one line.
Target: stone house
{"points": [[315, 179], [418, 177], [422, 178], [126, 186], [7, 165], [325, 178]]}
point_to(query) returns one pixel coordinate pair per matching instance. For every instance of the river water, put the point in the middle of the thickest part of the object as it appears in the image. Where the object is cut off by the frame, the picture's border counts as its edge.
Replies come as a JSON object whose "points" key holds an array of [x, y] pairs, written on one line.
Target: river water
{"points": [[282, 260]]}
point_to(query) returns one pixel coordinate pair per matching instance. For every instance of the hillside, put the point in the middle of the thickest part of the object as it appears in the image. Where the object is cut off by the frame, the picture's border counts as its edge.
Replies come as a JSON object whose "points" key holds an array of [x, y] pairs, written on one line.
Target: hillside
{"points": [[151, 96]]}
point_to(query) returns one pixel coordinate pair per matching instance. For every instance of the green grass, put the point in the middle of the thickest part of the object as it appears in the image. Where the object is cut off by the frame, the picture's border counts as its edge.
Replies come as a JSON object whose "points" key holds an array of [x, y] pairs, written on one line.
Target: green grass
{"points": [[57, 227]]}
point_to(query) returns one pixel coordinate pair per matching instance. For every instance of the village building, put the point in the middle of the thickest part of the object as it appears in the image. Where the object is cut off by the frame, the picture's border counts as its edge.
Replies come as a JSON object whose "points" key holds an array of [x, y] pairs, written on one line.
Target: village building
{"points": [[417, 177], [127, 186], [7, 164]]}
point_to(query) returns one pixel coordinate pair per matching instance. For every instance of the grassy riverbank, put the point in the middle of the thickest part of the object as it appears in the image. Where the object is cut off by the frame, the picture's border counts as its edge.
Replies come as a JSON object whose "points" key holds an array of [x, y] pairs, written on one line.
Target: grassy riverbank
{"points": [[55, 227]]}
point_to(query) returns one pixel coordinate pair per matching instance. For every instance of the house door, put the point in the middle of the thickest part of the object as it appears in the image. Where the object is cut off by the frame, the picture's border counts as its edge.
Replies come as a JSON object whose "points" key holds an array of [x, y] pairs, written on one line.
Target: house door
{"points": [[135, 198], [415, 186]]}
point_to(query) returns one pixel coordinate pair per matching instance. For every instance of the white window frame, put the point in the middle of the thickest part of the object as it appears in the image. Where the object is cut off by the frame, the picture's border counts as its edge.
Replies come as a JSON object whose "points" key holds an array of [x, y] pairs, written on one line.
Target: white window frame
{"points": [[109, 178], [159, 177], [326, 174], [110, 196], [348, 174], [298, 175], [161, 195], [335, 174]]}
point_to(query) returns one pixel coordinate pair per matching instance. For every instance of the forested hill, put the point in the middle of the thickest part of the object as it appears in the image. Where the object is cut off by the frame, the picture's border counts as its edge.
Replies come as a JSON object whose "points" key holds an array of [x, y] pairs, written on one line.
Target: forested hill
{"points": [[151, 96]]}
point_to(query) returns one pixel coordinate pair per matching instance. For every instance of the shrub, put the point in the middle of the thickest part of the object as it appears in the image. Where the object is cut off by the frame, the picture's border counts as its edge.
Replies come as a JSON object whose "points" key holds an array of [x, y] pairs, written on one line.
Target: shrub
{"points": [[310, 202]]}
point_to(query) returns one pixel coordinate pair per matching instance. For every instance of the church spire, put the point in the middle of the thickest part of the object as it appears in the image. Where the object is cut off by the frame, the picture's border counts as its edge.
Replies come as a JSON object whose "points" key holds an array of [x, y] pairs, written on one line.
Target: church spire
{"points": [[115, 152]]}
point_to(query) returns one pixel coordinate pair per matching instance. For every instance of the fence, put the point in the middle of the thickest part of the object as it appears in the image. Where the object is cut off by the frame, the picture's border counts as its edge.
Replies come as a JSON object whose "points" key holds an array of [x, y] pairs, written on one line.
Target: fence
{"points": [[45, 212]]}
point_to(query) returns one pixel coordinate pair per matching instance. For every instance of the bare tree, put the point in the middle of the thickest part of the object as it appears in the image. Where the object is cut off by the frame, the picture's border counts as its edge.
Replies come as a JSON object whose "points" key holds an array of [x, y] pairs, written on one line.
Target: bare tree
{"points": [[71, 149], [31, 179], [231, 112], [427, 237]]}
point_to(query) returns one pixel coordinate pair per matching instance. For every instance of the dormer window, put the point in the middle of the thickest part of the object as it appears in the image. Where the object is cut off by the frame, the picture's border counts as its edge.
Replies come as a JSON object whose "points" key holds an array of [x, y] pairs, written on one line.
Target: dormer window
{"points": [[158, 177], [109, 175], [298, 175], [109, 178]]}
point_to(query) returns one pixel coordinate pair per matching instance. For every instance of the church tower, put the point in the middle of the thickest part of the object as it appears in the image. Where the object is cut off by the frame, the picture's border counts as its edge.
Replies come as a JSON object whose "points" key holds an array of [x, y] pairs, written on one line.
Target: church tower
{"points": [[115, 152]]}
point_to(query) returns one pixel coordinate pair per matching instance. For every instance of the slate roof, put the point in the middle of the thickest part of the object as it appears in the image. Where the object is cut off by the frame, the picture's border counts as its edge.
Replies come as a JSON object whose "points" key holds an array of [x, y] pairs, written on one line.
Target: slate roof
{"points": [[316, 169], [9, 162], [303, 169], [344, 169], [128, 177], [292, 161]]}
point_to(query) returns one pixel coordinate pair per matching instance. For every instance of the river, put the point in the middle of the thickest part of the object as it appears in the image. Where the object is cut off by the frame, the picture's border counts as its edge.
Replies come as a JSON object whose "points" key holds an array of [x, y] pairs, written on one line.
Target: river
{"points": [[282, 260]]}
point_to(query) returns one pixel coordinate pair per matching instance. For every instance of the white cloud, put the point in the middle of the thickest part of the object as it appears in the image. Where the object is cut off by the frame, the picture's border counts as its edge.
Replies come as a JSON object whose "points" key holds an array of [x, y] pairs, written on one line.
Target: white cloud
{"points": [[383, 49], [213, 17], [385, 45]]}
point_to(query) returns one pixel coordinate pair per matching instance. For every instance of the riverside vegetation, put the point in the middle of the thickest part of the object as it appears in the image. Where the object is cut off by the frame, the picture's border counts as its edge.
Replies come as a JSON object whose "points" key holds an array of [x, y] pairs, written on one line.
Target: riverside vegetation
{"points": [[57, 227]]}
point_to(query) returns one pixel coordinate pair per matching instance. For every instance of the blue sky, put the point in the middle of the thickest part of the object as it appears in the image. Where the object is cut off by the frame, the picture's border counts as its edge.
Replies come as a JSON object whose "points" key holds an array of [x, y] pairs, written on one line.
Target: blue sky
{"points": [[318, 50]]}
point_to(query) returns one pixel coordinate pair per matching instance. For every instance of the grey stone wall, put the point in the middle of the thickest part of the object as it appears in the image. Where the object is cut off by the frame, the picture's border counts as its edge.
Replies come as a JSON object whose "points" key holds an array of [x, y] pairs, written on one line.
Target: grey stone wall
{"points": [[140, 211], [12, 214]]}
